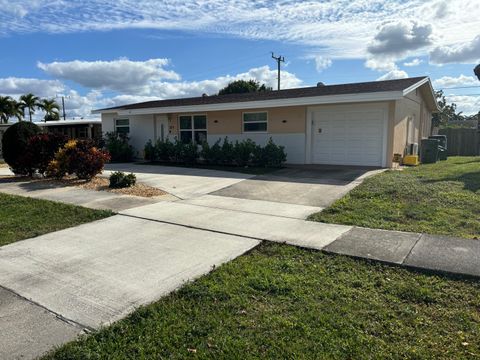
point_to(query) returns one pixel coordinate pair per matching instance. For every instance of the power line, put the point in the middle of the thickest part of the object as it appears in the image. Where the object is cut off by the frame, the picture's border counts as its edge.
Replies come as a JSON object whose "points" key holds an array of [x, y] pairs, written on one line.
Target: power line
{"points": [[461, 87]]}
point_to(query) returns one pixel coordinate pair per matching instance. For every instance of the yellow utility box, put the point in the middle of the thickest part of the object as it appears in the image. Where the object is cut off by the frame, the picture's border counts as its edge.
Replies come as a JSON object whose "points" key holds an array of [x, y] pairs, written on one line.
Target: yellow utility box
{"points": [[411, 160]]}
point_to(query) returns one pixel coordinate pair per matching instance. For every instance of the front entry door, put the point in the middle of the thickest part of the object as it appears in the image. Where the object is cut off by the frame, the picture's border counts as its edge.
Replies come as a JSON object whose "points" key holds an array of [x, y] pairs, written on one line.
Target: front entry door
{"points": [[161, 127]]}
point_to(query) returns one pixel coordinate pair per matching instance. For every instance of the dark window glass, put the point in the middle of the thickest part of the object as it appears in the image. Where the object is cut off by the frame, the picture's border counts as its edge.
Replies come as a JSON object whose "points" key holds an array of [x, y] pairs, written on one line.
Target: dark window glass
{"points": [[185, 122], [123, 130], [255, 127], [122, 122], [186, 136], [248, 117], [200, 122]]}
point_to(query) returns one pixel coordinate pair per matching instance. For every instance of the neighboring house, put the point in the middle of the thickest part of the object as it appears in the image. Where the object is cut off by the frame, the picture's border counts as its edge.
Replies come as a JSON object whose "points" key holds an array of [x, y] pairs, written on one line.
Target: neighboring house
{"points": [[349, 124], [74, 129]]}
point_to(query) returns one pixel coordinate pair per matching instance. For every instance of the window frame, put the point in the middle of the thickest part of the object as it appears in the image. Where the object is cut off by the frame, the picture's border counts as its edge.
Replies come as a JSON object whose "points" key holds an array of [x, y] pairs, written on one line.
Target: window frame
{"points": [[122, 126], [254, 122], [192, 126]]}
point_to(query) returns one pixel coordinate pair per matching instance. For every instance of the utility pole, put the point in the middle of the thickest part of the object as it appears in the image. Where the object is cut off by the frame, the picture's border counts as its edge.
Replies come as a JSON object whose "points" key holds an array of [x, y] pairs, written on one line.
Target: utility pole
{"points": [[63, 106], [278, 59]]}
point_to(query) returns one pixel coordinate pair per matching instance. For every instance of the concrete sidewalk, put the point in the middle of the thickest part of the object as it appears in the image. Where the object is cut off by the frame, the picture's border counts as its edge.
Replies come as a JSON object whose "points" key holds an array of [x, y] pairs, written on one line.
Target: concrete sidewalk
{"points": [[272, 223], [97, 273]]}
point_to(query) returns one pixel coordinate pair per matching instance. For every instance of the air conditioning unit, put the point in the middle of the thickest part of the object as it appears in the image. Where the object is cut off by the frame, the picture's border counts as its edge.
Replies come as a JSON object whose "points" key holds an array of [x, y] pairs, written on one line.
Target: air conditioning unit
{"points": [[413, 149]]}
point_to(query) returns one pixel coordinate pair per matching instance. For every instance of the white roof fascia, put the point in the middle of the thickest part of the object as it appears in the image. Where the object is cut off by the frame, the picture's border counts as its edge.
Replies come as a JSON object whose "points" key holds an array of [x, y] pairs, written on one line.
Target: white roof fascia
{"points": [[259, 104]]}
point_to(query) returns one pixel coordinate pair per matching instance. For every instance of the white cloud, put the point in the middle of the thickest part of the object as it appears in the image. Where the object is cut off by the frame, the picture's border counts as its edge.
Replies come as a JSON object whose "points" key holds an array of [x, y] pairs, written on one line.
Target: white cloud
{"points": [[468, 104], [17, 86], [121, 75], [338, 28], [396, 39], [394, 74], [78, 105], [322, 63], [462, 80], [468, 52], [381, 64], [414, 62]]}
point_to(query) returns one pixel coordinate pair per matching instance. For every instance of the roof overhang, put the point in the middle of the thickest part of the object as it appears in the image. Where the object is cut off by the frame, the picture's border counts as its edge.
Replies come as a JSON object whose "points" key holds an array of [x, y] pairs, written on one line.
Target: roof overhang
{"points": [[313, 100], [68, 122], [427, 85]]}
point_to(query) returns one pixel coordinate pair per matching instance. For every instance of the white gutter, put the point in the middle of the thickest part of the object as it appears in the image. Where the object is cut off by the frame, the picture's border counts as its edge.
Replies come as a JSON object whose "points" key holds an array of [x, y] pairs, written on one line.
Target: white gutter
{"points": [[259, 104]]}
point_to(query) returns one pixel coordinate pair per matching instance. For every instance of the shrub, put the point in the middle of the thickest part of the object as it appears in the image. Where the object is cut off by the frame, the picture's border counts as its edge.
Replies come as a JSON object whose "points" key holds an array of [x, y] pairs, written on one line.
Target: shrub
{"points": [[243, 152], [15, 144], [189, 153], [227, 154], [118, 147], [79, 157], [212, 154], [41, 150], [119, 179], [149, 151], [273, 155], [164, 150]]}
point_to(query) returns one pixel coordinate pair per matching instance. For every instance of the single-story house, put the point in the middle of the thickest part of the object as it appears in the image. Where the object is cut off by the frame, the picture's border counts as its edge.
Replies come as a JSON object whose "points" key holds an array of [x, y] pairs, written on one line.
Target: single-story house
{"points": [[349, 124], [74, 129]]}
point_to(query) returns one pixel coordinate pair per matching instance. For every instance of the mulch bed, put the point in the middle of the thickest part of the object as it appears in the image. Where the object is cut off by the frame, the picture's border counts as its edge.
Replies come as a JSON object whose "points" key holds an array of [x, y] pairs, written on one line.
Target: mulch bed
{"points": [[97, 184]]}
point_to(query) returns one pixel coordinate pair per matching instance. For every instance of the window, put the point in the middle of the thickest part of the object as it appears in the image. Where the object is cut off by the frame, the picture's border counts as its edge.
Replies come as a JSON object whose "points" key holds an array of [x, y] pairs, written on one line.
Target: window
{"points": [[193, 128], [255, 122], [122, 126]]}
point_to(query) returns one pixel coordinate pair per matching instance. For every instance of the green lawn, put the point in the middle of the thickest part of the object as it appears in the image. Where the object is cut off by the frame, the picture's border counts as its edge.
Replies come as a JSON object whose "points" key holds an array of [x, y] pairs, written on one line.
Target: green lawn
{"points": [[244, 170], [22, 217], [283, 302], [441, 198]]}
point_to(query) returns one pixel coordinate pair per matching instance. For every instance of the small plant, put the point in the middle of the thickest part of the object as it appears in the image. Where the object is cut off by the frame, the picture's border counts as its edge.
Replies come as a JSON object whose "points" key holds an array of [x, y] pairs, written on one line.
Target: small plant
{"points": [[117, 144], [119, 180]]}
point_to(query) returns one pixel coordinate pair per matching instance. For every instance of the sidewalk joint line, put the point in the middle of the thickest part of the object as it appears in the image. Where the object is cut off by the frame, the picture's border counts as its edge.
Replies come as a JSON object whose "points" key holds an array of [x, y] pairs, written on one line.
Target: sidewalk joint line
{"points": [[416, 242], [57, 315]]}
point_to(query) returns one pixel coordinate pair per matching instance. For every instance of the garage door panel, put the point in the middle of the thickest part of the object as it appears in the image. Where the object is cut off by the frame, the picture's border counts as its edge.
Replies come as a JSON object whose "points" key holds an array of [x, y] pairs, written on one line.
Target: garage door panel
{"points": [[348, 137]]}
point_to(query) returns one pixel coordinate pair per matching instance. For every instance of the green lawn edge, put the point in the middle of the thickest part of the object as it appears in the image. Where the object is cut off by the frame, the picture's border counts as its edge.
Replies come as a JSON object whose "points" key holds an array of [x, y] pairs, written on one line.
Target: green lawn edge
{"points": [[23, 217], [441, 199]]}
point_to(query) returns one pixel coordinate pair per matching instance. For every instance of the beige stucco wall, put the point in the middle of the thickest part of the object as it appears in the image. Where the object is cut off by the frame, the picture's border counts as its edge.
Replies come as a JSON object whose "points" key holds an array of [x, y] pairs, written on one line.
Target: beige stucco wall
{"points": [[411, 106], [281, 120]]}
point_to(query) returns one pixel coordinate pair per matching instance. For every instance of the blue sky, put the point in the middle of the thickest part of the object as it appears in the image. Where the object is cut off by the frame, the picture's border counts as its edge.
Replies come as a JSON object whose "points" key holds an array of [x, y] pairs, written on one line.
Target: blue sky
{"points": [[104, 52]]}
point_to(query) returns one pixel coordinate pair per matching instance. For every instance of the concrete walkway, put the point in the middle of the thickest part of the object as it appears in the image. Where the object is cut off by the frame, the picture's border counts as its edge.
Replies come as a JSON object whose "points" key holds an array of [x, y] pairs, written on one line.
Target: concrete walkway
{"points": [[93, 274]]}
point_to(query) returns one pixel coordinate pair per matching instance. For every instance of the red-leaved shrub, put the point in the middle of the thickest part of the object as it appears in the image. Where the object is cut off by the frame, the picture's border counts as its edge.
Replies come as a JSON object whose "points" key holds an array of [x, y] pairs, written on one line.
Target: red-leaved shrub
{"points": [[79, 157], [41, 150]]}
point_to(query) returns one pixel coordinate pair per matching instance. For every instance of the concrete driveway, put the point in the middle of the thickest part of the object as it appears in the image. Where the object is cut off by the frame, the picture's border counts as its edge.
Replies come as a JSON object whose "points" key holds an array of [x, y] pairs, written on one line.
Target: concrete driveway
{"points": [[310, 185]]}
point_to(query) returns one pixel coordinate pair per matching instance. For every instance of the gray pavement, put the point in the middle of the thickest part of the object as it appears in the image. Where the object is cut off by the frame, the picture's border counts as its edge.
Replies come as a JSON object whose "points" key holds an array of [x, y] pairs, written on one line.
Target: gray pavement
{"points": [[245, 224], [184, 183], [310, 185], [28, 330]]}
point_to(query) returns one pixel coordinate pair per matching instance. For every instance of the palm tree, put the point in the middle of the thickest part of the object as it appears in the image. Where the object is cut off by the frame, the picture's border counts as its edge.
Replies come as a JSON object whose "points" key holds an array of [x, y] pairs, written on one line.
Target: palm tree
{"points": [[6, 110], [30, 102], [17, 110], [51, 109]]}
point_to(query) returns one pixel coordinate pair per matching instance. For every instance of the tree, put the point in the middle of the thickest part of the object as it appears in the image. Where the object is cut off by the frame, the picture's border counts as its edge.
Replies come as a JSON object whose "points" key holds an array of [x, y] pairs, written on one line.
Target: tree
{"points": [[30, 102], [5, 108], [51, 109], [10, 108], [243, 86], [477, 71], [448, 112]]}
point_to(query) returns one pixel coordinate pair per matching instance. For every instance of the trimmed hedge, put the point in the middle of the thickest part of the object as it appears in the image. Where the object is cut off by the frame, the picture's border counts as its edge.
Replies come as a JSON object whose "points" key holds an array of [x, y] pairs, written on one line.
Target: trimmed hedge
{"points": [[15, 145], [240, 153]]}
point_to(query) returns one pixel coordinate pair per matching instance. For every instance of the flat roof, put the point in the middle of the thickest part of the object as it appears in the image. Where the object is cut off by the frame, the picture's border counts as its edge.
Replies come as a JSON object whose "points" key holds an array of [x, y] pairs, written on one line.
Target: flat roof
{"points": [[69, 122]]}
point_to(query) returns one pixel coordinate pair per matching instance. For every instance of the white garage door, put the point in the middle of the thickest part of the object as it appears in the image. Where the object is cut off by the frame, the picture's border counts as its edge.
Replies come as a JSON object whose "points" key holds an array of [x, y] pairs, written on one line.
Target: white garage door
{"points": [[348, 136]]}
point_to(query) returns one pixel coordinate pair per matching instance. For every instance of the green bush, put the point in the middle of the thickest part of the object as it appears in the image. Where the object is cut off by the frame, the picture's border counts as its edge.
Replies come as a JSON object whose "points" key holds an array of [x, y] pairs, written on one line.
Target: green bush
{"points": [[212, 154], [119, 180], [117, 144], [41, 150], [15, 145], [240, 153]]}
